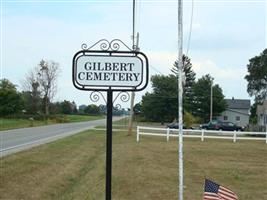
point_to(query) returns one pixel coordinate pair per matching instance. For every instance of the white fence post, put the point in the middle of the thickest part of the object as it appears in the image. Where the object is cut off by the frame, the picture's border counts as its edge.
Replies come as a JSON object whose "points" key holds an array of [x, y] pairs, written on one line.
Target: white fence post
{"points": [[168, 134], [234, 136], [137, 134], [202, 135]]}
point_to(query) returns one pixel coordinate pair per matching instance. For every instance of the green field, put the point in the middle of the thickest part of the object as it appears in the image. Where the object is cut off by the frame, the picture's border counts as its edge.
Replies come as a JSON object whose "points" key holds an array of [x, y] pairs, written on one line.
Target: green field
{"points": [[6, 124], [74, 168]]}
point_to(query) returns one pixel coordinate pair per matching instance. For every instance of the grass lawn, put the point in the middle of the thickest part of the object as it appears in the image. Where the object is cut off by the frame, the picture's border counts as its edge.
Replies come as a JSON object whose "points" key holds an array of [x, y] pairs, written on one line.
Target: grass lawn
{"points": [[124, 122], [82, 118], [6, 124], [74, 168]]}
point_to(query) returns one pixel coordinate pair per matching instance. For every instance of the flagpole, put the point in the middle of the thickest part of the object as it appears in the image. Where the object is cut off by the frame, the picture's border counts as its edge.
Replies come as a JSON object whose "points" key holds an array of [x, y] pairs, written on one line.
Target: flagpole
{"points": [[180, 98]]}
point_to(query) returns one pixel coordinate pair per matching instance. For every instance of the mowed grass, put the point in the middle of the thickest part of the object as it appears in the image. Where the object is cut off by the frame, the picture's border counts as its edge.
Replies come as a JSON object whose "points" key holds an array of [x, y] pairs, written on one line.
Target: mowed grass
{"points": [[83, 118], [74, 168], [7, 124]]}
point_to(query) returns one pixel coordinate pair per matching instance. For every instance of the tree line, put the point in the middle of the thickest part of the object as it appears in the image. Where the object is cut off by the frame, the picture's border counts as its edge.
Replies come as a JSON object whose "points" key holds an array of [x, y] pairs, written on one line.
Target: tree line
{"points": [[39, 87], [28, 103], [162, 103], [14, 102]]}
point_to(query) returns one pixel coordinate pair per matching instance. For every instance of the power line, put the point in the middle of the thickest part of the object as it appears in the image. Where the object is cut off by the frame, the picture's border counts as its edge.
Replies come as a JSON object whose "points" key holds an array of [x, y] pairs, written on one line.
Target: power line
{"points": [[190, 28], [155, 69]]}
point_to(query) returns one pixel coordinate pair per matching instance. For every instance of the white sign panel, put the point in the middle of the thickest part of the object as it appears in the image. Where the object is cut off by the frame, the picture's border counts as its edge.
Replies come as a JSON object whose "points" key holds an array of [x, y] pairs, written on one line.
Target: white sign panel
{"points": [[118, 71]]}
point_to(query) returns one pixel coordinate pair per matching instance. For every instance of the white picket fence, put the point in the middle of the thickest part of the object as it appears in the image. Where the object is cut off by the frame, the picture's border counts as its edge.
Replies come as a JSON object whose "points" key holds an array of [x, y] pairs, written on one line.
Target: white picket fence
{"points": [[202, 134]]}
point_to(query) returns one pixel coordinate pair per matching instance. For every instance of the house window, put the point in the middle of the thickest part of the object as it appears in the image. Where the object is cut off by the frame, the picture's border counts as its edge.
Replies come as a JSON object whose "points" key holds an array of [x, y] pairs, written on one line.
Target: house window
{"points": [[237, 118], [225, 118]]}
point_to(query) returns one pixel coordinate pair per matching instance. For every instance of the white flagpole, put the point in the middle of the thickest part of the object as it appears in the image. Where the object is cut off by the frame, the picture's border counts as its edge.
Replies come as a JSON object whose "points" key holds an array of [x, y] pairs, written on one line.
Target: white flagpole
{"points": [[180, 93]]}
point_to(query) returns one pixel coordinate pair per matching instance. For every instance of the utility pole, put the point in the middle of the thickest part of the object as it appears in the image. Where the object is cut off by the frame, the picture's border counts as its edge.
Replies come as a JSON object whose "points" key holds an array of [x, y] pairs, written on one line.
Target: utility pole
{"points": [[130, 126], [180, 98], [135, 48], [211, 100]]}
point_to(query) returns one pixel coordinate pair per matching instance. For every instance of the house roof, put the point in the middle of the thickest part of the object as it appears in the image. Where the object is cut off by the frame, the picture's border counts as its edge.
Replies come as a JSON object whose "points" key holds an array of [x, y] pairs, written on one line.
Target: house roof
{"points": [[238, 103]]}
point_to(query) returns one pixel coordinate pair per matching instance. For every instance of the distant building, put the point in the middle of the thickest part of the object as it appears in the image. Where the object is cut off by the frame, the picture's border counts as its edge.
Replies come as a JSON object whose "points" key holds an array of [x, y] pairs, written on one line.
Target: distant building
{"points": [[262, 114], [237, 111]]}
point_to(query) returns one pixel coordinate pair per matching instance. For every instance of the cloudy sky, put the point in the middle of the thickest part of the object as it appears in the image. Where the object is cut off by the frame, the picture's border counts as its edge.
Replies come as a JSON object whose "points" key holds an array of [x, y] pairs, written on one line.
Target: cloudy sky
{"points": [[225, 35]]}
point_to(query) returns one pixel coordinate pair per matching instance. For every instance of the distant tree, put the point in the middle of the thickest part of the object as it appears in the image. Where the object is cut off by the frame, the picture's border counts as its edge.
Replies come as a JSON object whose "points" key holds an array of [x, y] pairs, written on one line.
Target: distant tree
{"points": [[201, 101], [257, 77], [31, 94], [55, 108], [66, 107], [161, 104], [48, 72], [102, 109], [32, 104], [137, 108], [10, 99], [63, 107], [189, 81], [253, 113], [74, 108], [82, 108], [92, 109]]}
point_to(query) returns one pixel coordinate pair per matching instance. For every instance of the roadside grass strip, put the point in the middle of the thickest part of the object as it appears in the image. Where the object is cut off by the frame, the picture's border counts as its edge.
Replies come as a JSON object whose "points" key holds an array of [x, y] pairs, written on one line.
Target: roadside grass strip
{"points": [[8, 124], [74, 168]]}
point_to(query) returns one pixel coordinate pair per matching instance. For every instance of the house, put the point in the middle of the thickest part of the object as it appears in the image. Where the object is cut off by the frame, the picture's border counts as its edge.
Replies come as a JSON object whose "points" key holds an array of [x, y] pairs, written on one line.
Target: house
{"points": [[237, 112], [262, 114]]}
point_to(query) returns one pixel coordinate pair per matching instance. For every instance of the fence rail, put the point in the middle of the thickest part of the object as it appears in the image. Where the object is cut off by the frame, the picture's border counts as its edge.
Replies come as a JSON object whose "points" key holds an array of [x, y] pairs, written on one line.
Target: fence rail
{"points": [[202, 134]]}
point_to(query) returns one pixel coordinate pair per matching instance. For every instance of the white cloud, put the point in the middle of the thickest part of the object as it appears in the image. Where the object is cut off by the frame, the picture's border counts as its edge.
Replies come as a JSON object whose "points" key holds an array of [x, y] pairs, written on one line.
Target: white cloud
{"points": [[230, 79], [203, 67]]}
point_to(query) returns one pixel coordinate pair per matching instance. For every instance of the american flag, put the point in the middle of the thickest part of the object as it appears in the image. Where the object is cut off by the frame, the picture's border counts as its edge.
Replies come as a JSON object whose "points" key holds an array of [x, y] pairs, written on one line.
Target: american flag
{"points": [[213, 191]]}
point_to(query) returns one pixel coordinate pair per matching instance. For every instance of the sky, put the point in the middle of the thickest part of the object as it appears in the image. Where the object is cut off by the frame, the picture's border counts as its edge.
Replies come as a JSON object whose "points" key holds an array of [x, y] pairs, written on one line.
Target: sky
{"points": [[224, 36]]}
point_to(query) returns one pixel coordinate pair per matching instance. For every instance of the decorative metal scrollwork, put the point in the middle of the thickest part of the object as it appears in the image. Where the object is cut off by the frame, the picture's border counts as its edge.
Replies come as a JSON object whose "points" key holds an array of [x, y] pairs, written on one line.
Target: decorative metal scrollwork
{"points": [[95, 96], [105, 45], [117, 106], [123, 96]]}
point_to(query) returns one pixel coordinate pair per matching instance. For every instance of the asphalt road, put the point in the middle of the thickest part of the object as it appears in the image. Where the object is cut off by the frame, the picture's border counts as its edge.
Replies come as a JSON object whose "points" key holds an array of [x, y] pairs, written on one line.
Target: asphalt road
{"points": [[19, 139]]}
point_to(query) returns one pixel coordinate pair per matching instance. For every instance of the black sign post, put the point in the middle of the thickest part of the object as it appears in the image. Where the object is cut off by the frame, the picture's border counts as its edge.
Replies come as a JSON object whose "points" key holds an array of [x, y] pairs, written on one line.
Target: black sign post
{"points": [[108, 69], [109, 144]]}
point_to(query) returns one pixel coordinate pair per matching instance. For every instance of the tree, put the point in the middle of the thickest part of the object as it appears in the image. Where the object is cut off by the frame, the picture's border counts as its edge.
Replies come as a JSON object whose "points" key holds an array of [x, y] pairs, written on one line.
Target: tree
{"points": [[82, 108], [201, 101], [137, 108], [102, 109], [41, 81], [31, 93], [10, 99], [189, 81], [66, 107], [92, 109], [257, 77], [48, 72], [253, 113], [32, 104], [161, 104]]}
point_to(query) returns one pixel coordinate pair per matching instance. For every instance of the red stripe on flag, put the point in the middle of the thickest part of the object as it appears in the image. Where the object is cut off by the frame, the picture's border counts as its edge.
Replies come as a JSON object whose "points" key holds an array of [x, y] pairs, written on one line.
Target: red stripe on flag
{"points": [[227, 194], [211, 196]]}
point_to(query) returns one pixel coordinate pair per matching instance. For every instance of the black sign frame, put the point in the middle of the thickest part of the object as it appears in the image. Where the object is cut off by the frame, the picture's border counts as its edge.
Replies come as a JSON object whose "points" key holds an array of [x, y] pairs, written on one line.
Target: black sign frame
{"points": [[111, 53]]}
